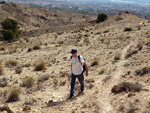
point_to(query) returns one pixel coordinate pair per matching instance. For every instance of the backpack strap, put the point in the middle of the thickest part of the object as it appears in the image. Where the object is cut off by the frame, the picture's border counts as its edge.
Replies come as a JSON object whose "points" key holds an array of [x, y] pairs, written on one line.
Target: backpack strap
{"points": [[78, 58]]}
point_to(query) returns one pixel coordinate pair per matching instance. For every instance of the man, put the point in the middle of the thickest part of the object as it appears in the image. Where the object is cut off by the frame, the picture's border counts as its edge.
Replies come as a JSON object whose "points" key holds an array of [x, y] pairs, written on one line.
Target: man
{"points": [[77, 71]]}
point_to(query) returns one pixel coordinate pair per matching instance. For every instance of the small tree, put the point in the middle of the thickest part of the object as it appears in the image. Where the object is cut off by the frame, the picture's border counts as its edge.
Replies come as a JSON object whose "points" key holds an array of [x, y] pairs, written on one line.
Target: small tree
{"points": [[127, 12], [101, 17], [10, 29], [2, 2]]}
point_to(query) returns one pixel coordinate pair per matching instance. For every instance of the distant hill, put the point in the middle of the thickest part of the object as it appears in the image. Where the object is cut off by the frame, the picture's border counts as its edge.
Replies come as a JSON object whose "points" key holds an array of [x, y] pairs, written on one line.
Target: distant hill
{"points": [[36, 19]]}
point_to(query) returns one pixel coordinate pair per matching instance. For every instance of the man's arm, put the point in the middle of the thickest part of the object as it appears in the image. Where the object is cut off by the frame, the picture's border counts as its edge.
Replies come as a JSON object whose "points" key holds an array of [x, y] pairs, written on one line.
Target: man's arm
{"points": [[71, 67], [86, 68]]}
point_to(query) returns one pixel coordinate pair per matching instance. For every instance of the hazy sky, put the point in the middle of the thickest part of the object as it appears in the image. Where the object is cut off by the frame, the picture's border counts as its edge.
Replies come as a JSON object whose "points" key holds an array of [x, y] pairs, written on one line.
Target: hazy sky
{"points": [[142, 2]]}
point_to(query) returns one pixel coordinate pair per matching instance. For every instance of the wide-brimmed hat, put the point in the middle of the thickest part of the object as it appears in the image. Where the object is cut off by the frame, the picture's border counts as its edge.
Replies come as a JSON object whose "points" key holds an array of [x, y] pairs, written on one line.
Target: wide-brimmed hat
{"points": [[73, 51]]}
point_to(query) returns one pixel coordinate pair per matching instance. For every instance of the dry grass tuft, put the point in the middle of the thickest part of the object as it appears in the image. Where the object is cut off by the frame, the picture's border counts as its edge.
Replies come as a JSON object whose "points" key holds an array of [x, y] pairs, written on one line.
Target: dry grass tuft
{"points": [[94, 62], [143, 71], [13, 94], [12, 63], [3, 82], [36, 47], [127, 87], [18, 70], [43, 78], [28, 82], [40, 66], [108, 77], [1, 69]]}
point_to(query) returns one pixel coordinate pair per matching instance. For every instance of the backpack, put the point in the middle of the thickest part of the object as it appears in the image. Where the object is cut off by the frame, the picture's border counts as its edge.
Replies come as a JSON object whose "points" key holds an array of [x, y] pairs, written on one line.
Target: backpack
{"points": [[81, 63]]}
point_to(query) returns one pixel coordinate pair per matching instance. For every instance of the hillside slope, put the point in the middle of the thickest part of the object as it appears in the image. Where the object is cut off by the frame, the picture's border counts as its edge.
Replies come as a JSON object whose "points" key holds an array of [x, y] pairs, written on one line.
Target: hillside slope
{"points": [[35, 20], [122, 56]]}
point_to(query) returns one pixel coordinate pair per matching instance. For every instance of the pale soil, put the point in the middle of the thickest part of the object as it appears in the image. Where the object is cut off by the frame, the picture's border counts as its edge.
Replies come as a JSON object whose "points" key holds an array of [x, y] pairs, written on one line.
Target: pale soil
{"points": [[103, 41]]}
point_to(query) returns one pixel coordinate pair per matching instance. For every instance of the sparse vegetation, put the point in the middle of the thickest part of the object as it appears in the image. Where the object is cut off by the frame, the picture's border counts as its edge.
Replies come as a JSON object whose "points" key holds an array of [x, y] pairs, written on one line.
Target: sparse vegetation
{"points": [[2, 2], [40, 66], [107, 78], [28, 81], [13, 95], [3, 82], [18, 70], [128, 29], [43, 78], [127, 12], [101, 17], [10, 29], [12, 63], [1, 69], [143, 71], [94, 62], [60, 42], [130, 53], [127, 87], [36, 47]]}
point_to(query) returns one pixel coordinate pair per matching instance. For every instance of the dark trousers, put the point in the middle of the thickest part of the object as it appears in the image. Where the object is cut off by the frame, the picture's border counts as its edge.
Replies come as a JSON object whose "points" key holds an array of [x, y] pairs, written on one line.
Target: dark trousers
{"points": [[81, 81]]}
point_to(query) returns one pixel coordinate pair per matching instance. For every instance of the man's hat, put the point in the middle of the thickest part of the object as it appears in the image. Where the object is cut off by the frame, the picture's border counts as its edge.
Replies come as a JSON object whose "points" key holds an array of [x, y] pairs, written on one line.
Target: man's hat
{"points": [[73, 51]]}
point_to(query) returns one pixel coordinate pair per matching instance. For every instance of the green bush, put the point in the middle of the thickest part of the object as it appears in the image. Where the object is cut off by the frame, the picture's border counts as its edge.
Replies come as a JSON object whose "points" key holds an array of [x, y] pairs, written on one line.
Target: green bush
{"points": [[2, 2], [10, 29], [101, 17], [8, 35], [127, 12]]}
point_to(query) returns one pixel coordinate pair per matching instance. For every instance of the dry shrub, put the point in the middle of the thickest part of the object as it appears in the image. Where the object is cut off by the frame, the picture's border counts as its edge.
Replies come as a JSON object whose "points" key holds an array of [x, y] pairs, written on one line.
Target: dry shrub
{"points": [[28, 81], [36, 47], [18, 70], [64, 74], [1, 69], [94, 62], [89, 80], [29, 50], [90, 86], [119, 18], [130, 53], [127, 87], [30, 101], [128, 29], [62, 83], [13, 94], [116, 58], [143, 71], [106, 31], [102, 71], [5, 108], [40, 66], [3, 82], [12, 63], [43, 78], [107, 78]]}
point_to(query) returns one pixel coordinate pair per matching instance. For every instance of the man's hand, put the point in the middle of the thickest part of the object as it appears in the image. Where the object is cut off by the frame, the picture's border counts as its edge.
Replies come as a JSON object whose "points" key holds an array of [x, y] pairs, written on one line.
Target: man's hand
{"points": [[86, 73]]}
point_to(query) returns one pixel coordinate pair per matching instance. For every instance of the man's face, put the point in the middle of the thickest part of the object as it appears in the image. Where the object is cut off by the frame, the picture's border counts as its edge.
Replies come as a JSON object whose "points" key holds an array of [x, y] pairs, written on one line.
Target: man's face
{"points": [[74, 54]]}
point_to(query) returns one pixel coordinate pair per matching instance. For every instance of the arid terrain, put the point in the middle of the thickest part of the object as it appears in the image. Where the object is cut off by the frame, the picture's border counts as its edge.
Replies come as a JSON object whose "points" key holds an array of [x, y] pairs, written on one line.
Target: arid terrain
{"points": [[118, 62]]}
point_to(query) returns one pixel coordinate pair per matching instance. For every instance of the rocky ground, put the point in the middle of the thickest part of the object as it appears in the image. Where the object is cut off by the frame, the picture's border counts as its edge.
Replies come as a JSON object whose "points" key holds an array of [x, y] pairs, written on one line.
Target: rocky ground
{"points": [[118, 62]]}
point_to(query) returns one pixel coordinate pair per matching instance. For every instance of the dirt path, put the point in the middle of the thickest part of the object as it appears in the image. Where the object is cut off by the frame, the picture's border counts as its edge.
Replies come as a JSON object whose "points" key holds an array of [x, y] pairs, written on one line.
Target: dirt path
{"points": [[105, 89]]}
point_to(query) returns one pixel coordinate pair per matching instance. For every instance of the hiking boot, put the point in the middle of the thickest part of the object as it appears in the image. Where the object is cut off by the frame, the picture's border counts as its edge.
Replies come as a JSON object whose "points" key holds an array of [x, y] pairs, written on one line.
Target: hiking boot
{"points": [[70, 97]]}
